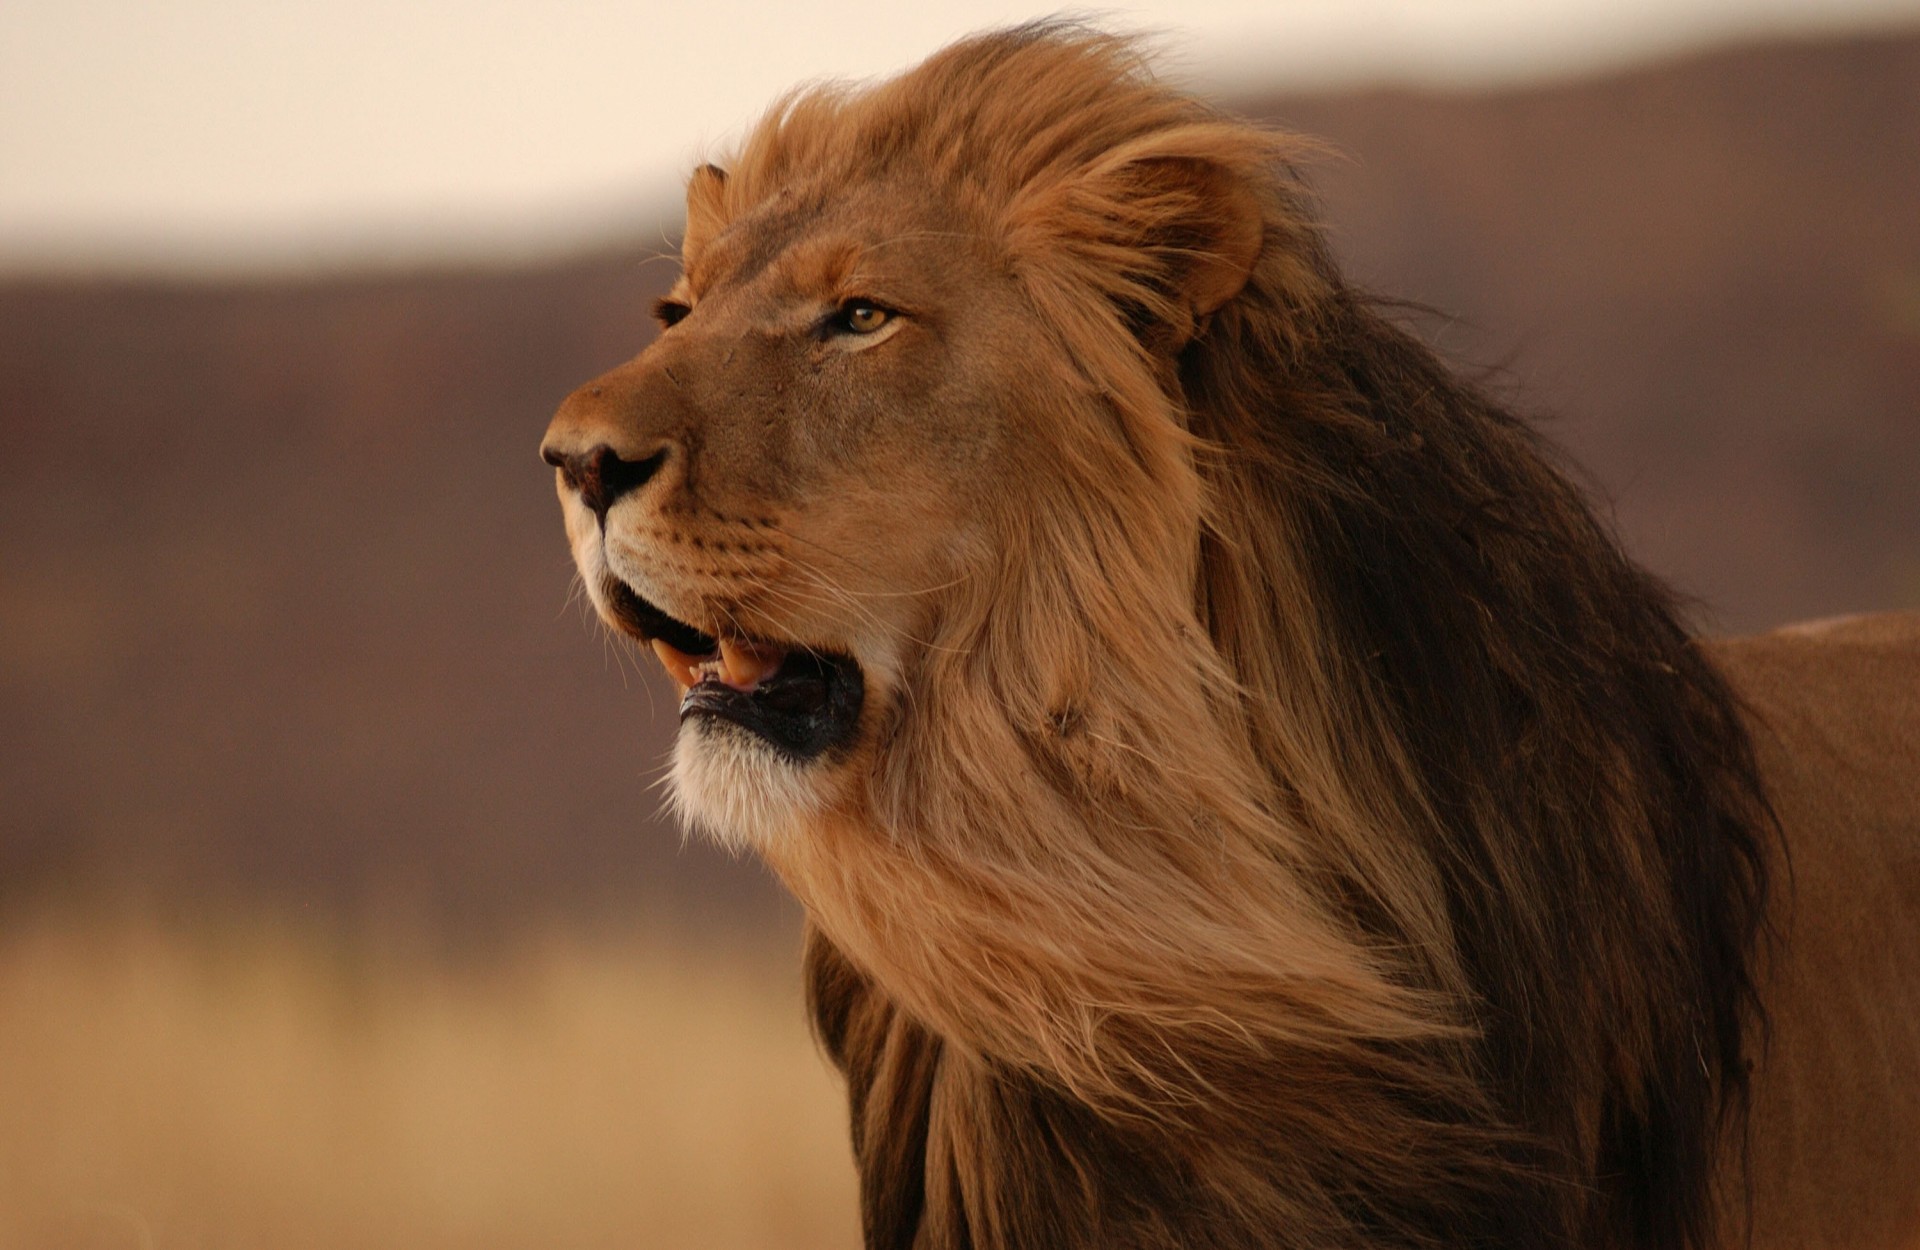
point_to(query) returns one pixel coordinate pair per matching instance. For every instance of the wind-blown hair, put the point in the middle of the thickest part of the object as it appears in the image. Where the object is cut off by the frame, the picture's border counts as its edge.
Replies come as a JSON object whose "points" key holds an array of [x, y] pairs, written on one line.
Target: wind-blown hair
{"points": [[1303, 825]]}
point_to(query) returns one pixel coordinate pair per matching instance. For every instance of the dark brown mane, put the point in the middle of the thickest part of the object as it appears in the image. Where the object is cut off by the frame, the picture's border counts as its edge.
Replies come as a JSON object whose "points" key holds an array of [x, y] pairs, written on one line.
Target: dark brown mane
{"points": [[1593, 796], [1432, 922]]}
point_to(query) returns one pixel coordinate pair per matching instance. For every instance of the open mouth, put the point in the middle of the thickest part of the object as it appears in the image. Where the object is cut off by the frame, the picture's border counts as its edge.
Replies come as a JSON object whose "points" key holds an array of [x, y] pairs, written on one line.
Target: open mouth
{"points": [[801, 701]]}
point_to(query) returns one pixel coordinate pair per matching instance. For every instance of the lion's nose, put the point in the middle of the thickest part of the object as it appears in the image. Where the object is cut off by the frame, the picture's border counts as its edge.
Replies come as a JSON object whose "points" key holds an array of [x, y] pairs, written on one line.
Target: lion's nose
{"points": [[600, 475]]}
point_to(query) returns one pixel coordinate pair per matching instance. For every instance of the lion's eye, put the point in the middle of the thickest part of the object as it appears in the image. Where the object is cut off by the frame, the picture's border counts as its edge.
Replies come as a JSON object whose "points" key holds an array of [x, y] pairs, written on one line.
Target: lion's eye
{"points": [[670, 312], [860, 317]]}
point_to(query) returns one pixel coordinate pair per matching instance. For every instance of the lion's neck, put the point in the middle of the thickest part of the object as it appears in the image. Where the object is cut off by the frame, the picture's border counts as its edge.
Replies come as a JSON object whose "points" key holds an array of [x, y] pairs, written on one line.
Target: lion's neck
{"points": [[1292, 863]]}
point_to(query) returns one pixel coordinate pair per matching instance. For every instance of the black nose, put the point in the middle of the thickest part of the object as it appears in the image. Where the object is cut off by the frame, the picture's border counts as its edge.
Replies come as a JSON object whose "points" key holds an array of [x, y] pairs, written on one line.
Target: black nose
{"points": [[600, 475]]}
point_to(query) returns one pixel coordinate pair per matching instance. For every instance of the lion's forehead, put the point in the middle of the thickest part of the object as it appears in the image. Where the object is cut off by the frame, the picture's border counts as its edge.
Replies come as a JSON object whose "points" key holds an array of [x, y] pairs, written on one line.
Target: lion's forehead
{"points": [[814, 242]]}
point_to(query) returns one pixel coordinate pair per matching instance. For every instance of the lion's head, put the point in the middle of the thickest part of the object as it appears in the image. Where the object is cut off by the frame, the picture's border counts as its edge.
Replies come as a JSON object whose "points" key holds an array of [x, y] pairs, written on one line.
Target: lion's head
{"points": [[1159, 676], [893, 407]]}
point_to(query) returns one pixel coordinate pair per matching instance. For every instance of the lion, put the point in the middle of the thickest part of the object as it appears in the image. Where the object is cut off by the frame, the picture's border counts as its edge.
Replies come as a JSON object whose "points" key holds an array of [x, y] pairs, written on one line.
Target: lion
{"points": [[1239, 792]]}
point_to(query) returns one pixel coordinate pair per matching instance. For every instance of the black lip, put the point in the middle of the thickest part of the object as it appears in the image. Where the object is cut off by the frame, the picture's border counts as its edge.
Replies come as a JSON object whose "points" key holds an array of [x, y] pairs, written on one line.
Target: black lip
{"points": [[809, 707]]}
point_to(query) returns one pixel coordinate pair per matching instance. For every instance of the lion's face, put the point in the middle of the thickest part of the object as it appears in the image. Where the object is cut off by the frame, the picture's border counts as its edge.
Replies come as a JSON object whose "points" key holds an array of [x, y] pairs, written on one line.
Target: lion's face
{"points": [[777, 492]]}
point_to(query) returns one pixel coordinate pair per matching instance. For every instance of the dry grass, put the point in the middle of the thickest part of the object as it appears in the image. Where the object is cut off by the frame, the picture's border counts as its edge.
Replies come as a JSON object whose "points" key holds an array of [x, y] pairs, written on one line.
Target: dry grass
{"points": [[254, 1085]]}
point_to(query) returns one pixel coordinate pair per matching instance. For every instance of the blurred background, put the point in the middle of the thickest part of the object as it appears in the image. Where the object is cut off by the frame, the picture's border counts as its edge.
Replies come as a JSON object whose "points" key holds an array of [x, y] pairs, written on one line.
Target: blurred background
{"points": [[336, 908]]}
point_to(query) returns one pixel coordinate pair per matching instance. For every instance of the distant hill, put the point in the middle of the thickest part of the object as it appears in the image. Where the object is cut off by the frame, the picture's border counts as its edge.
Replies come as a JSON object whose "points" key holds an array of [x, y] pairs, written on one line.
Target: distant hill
{"points": [[284, 602]]}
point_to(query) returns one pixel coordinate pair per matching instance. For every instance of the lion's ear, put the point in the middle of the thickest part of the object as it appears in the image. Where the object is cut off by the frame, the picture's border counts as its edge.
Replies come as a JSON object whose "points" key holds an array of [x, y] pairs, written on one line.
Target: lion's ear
{"points": [[706, 209], [1170, 236], [1210, 235]]}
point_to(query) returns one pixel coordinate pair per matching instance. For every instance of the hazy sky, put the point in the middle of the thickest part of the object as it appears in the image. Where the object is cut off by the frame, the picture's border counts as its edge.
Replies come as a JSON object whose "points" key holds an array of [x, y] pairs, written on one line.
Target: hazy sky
{"points": [[248, 133]]}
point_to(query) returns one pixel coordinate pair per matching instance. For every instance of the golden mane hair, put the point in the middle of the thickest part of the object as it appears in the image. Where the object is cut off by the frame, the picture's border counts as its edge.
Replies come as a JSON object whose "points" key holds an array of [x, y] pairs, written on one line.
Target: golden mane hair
{"points": [[1303, 825]]}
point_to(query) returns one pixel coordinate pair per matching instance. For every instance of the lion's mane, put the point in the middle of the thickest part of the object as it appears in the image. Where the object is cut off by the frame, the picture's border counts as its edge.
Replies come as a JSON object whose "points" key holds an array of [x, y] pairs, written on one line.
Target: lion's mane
{"points": [[1305, 826]]}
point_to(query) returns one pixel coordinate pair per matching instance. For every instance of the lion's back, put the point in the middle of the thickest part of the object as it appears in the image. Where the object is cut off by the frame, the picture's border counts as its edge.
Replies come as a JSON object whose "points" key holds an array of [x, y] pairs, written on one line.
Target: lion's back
{"points": [[1835, 709]]}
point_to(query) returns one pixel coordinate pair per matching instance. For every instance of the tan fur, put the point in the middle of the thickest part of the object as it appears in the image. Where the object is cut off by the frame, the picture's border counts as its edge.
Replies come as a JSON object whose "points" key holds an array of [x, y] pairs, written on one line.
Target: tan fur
{"points": [[1836, 1117], [1280, 815]]}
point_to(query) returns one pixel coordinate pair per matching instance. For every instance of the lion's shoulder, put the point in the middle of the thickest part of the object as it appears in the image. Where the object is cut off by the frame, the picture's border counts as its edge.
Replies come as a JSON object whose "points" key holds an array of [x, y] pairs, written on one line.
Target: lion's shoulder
{"points": [[1835, 711], [1896, 630], [1844, 691], [1834, 707]]}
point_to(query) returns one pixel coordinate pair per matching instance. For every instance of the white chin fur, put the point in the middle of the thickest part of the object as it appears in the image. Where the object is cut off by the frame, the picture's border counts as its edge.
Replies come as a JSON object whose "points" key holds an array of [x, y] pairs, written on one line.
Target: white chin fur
{"points": [[738, 790]]}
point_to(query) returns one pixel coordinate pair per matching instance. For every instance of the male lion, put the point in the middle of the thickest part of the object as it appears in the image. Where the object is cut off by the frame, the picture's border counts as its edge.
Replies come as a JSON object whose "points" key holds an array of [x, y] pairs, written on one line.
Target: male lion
{"points": [[1241, 795]]}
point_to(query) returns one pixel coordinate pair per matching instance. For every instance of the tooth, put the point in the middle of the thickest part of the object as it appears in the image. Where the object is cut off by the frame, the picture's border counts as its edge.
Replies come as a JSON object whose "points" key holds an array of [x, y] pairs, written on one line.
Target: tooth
{"points": [[679, 665], [743, 667]]}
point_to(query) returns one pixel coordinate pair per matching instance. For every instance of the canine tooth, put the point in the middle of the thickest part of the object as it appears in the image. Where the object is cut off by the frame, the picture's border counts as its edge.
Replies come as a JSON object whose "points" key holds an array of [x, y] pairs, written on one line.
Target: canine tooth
{"points": [[743, 667], [679, 665]]}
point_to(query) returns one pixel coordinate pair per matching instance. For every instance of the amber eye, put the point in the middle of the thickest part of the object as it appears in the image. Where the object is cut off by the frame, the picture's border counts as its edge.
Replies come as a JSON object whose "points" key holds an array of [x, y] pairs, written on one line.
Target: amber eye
{"points": [[860, 317]]}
